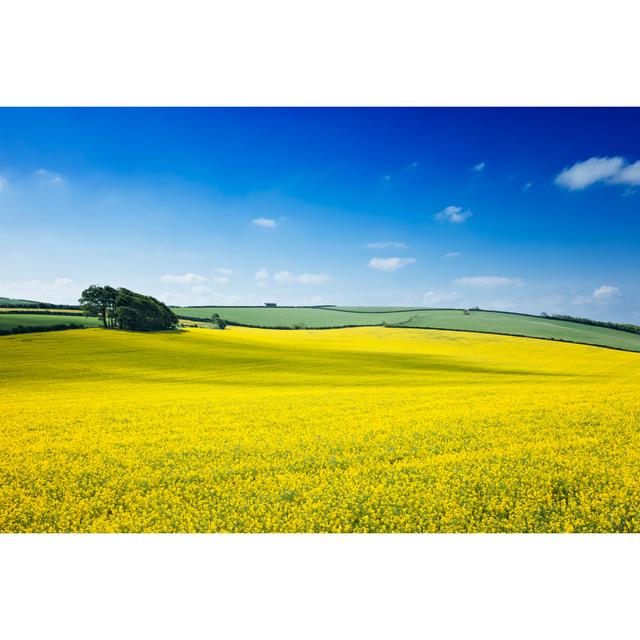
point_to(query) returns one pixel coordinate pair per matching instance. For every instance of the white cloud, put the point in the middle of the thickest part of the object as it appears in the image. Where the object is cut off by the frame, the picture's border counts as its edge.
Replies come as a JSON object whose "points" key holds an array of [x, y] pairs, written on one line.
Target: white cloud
{"points": [[411, 167], [527, 186], [303, 278], [223, 271], [261, 277], [602, 295], [187, 278], [220, 279], [386, 180], [605, 292], [49, 177], [480, 167], [452, 254], [390, 264], [614, 170], [488, 281], [453, 214], [268, 223], [4, 183], [58, 291], [440, 297], [386, 245], [630, 174], [202, 295]]}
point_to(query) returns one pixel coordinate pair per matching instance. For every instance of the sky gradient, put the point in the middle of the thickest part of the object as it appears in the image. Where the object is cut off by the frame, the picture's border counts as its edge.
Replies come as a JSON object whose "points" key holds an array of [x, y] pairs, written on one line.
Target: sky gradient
{"points": [[514, 209]]}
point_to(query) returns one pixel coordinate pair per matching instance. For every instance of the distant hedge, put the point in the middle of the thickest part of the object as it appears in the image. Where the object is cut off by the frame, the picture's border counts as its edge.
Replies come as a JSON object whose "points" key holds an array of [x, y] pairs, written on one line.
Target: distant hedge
{"points": [[14, 311], [619, 326], [52, 327], [38, 305]]}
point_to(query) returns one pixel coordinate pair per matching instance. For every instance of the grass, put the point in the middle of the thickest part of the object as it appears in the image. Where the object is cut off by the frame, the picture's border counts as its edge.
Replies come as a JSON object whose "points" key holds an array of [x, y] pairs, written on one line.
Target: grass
{"points": [[366, 429], [311, 318], [485, 321], [11, 320], [16, 302]]}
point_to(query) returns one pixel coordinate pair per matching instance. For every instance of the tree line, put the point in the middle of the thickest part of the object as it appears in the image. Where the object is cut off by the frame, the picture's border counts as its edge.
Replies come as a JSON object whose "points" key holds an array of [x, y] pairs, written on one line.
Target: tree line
{"points": [[124, 309], [42, 329], [620, 326]]}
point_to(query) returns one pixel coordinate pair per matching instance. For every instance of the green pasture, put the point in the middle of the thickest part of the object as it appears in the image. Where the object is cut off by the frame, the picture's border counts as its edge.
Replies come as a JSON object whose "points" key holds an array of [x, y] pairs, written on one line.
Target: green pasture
{"points": [[454, 319]]}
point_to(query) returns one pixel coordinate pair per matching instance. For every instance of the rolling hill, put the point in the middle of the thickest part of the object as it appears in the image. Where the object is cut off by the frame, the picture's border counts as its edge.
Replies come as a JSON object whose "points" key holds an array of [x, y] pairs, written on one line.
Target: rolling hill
{"points": [[17, 302], [452, 319], [12, 320], [355, 430]]}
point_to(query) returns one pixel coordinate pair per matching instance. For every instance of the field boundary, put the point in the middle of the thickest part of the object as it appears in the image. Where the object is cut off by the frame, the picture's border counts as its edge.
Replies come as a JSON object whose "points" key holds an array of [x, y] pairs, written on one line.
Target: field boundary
{"points": [[512, 335], [400, 326], [21, 330], [594, 323]]}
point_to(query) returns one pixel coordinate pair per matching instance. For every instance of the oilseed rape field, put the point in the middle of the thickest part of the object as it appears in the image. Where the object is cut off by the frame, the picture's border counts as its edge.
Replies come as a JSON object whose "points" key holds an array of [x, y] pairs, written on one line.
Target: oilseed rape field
{"points": [[369, 429]]}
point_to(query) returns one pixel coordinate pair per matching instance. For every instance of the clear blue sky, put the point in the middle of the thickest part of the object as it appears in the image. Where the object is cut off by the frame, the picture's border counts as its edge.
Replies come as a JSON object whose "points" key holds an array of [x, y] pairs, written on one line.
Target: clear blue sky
{"points": [[516, 209]]}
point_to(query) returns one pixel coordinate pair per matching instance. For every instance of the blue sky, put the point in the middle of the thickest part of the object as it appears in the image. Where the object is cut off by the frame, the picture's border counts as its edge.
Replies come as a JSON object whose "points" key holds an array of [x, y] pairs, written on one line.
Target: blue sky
{"points": [[517, 209]]}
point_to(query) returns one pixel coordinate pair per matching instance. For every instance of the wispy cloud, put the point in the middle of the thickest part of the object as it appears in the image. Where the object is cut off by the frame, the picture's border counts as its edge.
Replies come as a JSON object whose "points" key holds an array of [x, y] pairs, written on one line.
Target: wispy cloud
{"points": [[527, 186], [187, 278], [224, 271], [303, 278], [480, 167], [261, 277], [268, 223], [488, 281], [386, 179], [440, 297], [452, 254], [4, 183], [49, 177], [59, 291], [386, 245], [615, 170], [602, 295], [200, 294], [390, 264], [220, 279], [605, 292], [453, 214]]}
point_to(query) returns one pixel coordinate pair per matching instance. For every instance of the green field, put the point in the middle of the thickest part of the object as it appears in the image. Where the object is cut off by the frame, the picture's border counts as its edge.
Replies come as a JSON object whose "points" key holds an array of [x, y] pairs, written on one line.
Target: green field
{"points": [[11, 320], [484, 321], [310, 317], [16, 302]]}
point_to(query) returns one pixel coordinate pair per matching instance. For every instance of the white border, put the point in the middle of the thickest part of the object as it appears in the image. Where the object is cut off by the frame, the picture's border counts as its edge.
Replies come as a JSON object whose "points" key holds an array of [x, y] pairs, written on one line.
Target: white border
{"points": [[319, 52], [318, 586], [135, 52]]}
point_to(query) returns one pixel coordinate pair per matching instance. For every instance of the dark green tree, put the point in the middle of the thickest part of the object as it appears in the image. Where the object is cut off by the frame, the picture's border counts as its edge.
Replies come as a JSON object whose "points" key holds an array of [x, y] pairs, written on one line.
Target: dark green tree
{"points": [[126, 309], [95, 303], [218, 322]]}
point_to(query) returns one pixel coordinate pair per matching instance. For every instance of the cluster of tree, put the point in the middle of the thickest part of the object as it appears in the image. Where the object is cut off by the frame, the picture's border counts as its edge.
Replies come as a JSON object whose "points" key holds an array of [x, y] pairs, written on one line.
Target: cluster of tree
{"points": [[620, 326], [51, 327], [218, 322], [124, 309]]}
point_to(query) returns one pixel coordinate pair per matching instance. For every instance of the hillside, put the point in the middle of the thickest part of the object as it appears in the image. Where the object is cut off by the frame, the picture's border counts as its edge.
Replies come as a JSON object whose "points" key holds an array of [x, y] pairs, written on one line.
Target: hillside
{"points": [[11, 320], [17, 302], [453, 319], [357, 430]]}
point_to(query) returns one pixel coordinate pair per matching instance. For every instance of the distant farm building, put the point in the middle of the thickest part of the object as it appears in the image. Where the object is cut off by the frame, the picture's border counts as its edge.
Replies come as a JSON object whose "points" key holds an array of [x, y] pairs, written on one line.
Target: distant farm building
{"points": [[270, 304]]}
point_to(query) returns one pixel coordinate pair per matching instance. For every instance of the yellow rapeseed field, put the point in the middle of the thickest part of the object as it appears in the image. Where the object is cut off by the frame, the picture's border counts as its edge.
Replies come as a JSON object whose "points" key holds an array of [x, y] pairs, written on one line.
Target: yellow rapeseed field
{"points": [[368, 429]]}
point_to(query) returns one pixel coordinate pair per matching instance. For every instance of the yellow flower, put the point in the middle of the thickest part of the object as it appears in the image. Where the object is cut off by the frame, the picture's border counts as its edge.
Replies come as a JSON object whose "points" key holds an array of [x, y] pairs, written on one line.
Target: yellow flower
{"points": [[353, 430]]}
